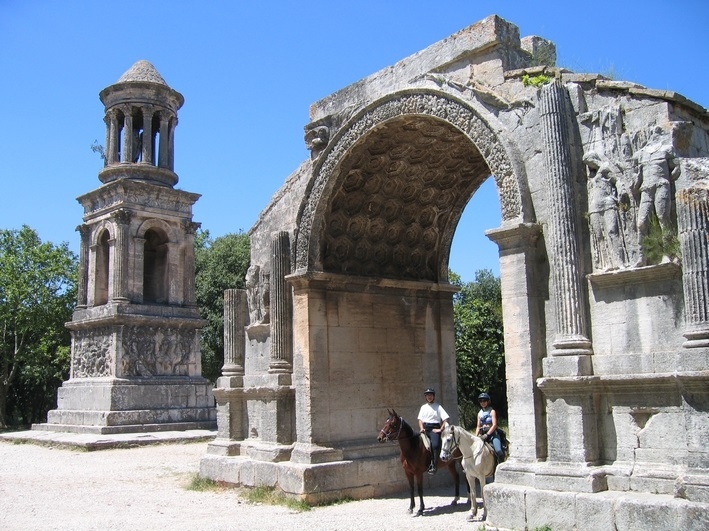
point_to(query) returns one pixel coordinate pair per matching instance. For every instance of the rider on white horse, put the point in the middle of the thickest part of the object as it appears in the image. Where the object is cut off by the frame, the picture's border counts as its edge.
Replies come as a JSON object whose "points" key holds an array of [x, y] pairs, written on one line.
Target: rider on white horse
{"points": [[432, 419], [487, 425]]}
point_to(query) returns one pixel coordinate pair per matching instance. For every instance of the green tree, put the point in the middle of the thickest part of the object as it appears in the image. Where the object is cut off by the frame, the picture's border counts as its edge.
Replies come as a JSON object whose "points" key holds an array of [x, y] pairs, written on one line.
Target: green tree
{"points": [[479, 344], [220, 264], [37, 296]]}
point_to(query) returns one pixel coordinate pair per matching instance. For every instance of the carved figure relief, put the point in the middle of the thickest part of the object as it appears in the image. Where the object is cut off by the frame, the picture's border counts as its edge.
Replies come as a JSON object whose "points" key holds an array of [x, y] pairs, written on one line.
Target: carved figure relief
{"points": [[156, 351], [655, 173], [91, 353], [629, 187], [258, 295]]}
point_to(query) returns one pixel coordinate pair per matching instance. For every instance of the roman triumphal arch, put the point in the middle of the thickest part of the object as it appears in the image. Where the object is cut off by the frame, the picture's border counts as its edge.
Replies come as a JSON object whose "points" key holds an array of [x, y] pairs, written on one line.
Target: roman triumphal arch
{"points": [[348, 310]]}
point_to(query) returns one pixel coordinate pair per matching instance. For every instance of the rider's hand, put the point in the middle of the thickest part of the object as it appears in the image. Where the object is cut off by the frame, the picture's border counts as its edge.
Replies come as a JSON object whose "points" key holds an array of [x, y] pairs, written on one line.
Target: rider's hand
{"points": [[484, 437]]}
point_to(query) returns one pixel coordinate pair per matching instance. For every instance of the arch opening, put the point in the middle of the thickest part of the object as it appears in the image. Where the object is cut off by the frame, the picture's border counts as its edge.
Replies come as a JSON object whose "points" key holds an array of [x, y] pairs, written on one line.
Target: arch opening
{"points": [[155, 259], [397, 200]]}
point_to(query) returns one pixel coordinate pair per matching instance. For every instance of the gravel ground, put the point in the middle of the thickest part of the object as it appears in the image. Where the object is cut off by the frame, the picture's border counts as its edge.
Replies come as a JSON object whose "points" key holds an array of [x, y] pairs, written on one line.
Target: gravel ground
{"points": [[145, 488]]}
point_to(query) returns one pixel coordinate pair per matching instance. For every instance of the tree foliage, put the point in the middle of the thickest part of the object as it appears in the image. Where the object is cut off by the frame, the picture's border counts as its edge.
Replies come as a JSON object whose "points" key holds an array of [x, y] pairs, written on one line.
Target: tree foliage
{"points": [[220, 264], [37, 296], [479, 343]]}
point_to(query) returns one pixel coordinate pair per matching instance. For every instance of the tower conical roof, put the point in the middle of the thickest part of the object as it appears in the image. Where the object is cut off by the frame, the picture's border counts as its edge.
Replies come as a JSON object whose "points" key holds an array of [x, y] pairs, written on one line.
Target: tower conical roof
{"points": [[142, 71]]}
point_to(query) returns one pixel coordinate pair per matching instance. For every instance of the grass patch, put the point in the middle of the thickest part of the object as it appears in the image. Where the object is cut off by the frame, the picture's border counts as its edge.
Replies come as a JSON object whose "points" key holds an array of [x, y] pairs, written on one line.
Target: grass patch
{"points": [[270, 496], [200, 484]]}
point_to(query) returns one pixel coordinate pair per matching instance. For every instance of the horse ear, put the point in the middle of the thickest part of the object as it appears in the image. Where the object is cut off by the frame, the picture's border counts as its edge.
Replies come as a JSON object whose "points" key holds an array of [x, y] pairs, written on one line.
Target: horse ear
{"points": [[390, 412], [393, 413]]}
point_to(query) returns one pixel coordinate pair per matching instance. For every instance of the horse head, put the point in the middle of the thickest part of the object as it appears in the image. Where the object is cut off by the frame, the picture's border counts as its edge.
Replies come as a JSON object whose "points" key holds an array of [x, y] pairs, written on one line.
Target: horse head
{"points": [[391, 429], [448, 442]]}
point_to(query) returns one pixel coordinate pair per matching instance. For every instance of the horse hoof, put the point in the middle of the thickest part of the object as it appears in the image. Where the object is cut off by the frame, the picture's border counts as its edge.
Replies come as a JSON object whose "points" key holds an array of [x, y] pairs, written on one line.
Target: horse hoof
{"points": [[419, 512], [472, 518]]}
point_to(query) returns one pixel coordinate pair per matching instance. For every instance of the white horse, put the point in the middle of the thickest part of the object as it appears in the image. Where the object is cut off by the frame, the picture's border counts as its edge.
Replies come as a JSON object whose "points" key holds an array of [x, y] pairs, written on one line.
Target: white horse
{"points": [[478, 461]]}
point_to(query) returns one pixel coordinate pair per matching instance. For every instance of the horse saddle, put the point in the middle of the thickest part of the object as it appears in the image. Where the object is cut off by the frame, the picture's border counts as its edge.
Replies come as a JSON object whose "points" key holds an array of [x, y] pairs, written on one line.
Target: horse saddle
{"points": [[426, 441]]}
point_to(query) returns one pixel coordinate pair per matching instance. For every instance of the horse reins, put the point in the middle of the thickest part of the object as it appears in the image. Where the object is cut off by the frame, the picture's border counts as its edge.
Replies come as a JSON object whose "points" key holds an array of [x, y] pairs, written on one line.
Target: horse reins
{"points": [[386, 435], [401, 426], [457, 445]]}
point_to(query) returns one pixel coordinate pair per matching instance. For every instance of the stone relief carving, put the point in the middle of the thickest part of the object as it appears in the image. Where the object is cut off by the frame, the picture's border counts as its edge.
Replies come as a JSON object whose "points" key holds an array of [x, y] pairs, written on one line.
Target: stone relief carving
{"points": [[424, 103], [655, 173], [91, 353], [156, 351], [630, 177], [316, 138], [258, 295]]}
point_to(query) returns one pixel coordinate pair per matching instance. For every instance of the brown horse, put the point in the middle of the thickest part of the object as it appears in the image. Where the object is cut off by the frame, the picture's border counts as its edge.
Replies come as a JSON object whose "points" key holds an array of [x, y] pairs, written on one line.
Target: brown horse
{"points": [[415, 457]]}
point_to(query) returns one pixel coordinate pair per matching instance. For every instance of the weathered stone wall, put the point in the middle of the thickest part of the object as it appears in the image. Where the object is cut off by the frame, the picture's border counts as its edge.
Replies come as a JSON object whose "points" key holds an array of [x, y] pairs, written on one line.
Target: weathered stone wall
{"points": [[603, 245]]}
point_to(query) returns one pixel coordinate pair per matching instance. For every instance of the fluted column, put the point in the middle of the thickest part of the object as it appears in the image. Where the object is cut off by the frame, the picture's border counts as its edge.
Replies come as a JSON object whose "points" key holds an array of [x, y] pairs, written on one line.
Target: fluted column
{"points": [[188, 295], [171, 144], [163, 151], [236, 315], [81, 287], [571, 325], [281, 305], [693, 222], [147, 155], [127, 155], [120, 254], [111, 138]]}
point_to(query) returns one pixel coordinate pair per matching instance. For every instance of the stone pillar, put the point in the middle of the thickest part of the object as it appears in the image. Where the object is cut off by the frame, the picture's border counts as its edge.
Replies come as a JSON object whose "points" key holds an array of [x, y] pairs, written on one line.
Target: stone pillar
{"points": [[571, 324], [111, 138], [189, 228], [120, 254], [281, 305], [127, 155], [171, 144], [163, 151], [138, 269], [236, 317], [81, 299], [693, 222], [524, 342], [147, 136]]}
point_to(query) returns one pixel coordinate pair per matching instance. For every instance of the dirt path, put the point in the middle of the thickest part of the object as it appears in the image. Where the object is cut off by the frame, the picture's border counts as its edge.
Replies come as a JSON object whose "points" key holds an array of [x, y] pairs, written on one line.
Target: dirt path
{"points": [[145, 488]]}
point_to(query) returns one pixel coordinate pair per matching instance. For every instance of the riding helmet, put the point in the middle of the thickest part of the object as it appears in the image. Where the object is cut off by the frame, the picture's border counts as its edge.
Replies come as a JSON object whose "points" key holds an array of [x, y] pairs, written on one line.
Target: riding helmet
{"points": [[429, 390], [484, 396]]}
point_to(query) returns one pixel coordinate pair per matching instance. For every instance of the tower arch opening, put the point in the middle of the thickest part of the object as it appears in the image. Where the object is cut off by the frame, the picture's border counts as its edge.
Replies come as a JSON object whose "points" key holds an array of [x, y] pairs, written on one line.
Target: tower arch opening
{"points": [[155, 264]]}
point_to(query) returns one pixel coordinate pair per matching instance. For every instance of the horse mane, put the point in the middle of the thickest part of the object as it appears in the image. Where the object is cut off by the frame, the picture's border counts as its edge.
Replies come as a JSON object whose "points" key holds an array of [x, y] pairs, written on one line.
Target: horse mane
{"points": [[408, 431]]}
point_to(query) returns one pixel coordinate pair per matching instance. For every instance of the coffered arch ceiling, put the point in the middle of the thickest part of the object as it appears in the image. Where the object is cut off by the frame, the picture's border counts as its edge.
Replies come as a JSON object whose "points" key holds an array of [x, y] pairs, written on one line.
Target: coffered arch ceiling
{"points": [[397, 198]]}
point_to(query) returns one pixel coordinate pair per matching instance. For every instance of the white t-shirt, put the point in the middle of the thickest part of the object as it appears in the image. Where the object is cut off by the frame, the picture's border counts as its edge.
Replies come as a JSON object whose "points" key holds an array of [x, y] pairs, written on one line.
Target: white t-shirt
{"points": [[432, 413]]}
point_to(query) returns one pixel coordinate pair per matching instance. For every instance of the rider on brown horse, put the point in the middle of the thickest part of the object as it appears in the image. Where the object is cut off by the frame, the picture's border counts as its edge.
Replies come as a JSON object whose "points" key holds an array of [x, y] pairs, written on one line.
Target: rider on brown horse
{"points": [[432, 419]]}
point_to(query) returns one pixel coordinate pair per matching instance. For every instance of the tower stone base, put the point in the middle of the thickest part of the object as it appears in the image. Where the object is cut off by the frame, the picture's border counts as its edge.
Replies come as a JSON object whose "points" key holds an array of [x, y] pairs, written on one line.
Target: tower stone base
{"points": [[109, 405]]}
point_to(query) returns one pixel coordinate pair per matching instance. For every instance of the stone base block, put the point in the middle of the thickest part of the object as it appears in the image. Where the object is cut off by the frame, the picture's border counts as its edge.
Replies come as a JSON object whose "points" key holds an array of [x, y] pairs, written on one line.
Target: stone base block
{"points": [[516, 507], [113, 394], [317, 483], [110, 405], [126, 428]]}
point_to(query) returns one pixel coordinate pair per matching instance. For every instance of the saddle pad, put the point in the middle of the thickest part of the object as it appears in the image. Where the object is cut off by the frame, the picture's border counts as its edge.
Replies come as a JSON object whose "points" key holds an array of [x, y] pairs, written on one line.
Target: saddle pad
{"points": [[426, 441]]}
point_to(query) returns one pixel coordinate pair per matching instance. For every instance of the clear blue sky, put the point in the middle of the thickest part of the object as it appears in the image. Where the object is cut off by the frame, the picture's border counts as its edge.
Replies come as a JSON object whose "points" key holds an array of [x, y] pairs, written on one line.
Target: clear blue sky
{"points": [[249, 72]]}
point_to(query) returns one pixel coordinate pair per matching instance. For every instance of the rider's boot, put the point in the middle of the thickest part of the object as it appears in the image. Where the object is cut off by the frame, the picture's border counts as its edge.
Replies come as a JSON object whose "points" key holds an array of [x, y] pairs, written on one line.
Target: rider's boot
{"points": [[432, 467]]}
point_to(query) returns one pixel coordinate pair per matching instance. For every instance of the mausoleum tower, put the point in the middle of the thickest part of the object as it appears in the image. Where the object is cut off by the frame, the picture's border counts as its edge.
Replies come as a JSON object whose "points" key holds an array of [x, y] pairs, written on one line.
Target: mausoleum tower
{"points": [[135, 360]]}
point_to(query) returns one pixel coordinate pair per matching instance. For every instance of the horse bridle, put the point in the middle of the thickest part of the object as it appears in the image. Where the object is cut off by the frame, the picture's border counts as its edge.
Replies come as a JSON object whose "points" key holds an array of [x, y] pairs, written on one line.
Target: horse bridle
{"points": [[386, 435], [457, 445]]}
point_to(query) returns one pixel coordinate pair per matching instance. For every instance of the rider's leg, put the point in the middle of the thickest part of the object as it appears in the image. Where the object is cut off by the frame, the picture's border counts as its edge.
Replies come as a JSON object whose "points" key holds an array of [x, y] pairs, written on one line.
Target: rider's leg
{"points": [[497, 445], [435, 449]]}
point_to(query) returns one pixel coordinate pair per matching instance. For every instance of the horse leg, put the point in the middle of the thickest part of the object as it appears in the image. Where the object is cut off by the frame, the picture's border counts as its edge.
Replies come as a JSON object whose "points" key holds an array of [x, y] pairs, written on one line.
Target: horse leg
{"points": [[410, 477], [473, 498], [456, 480], [482, 495], [419, 479]]}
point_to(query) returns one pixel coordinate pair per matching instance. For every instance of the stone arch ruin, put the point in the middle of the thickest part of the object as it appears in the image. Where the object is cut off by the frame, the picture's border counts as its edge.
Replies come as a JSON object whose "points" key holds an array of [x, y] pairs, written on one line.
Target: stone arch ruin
{"points": [[603, 260]]}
